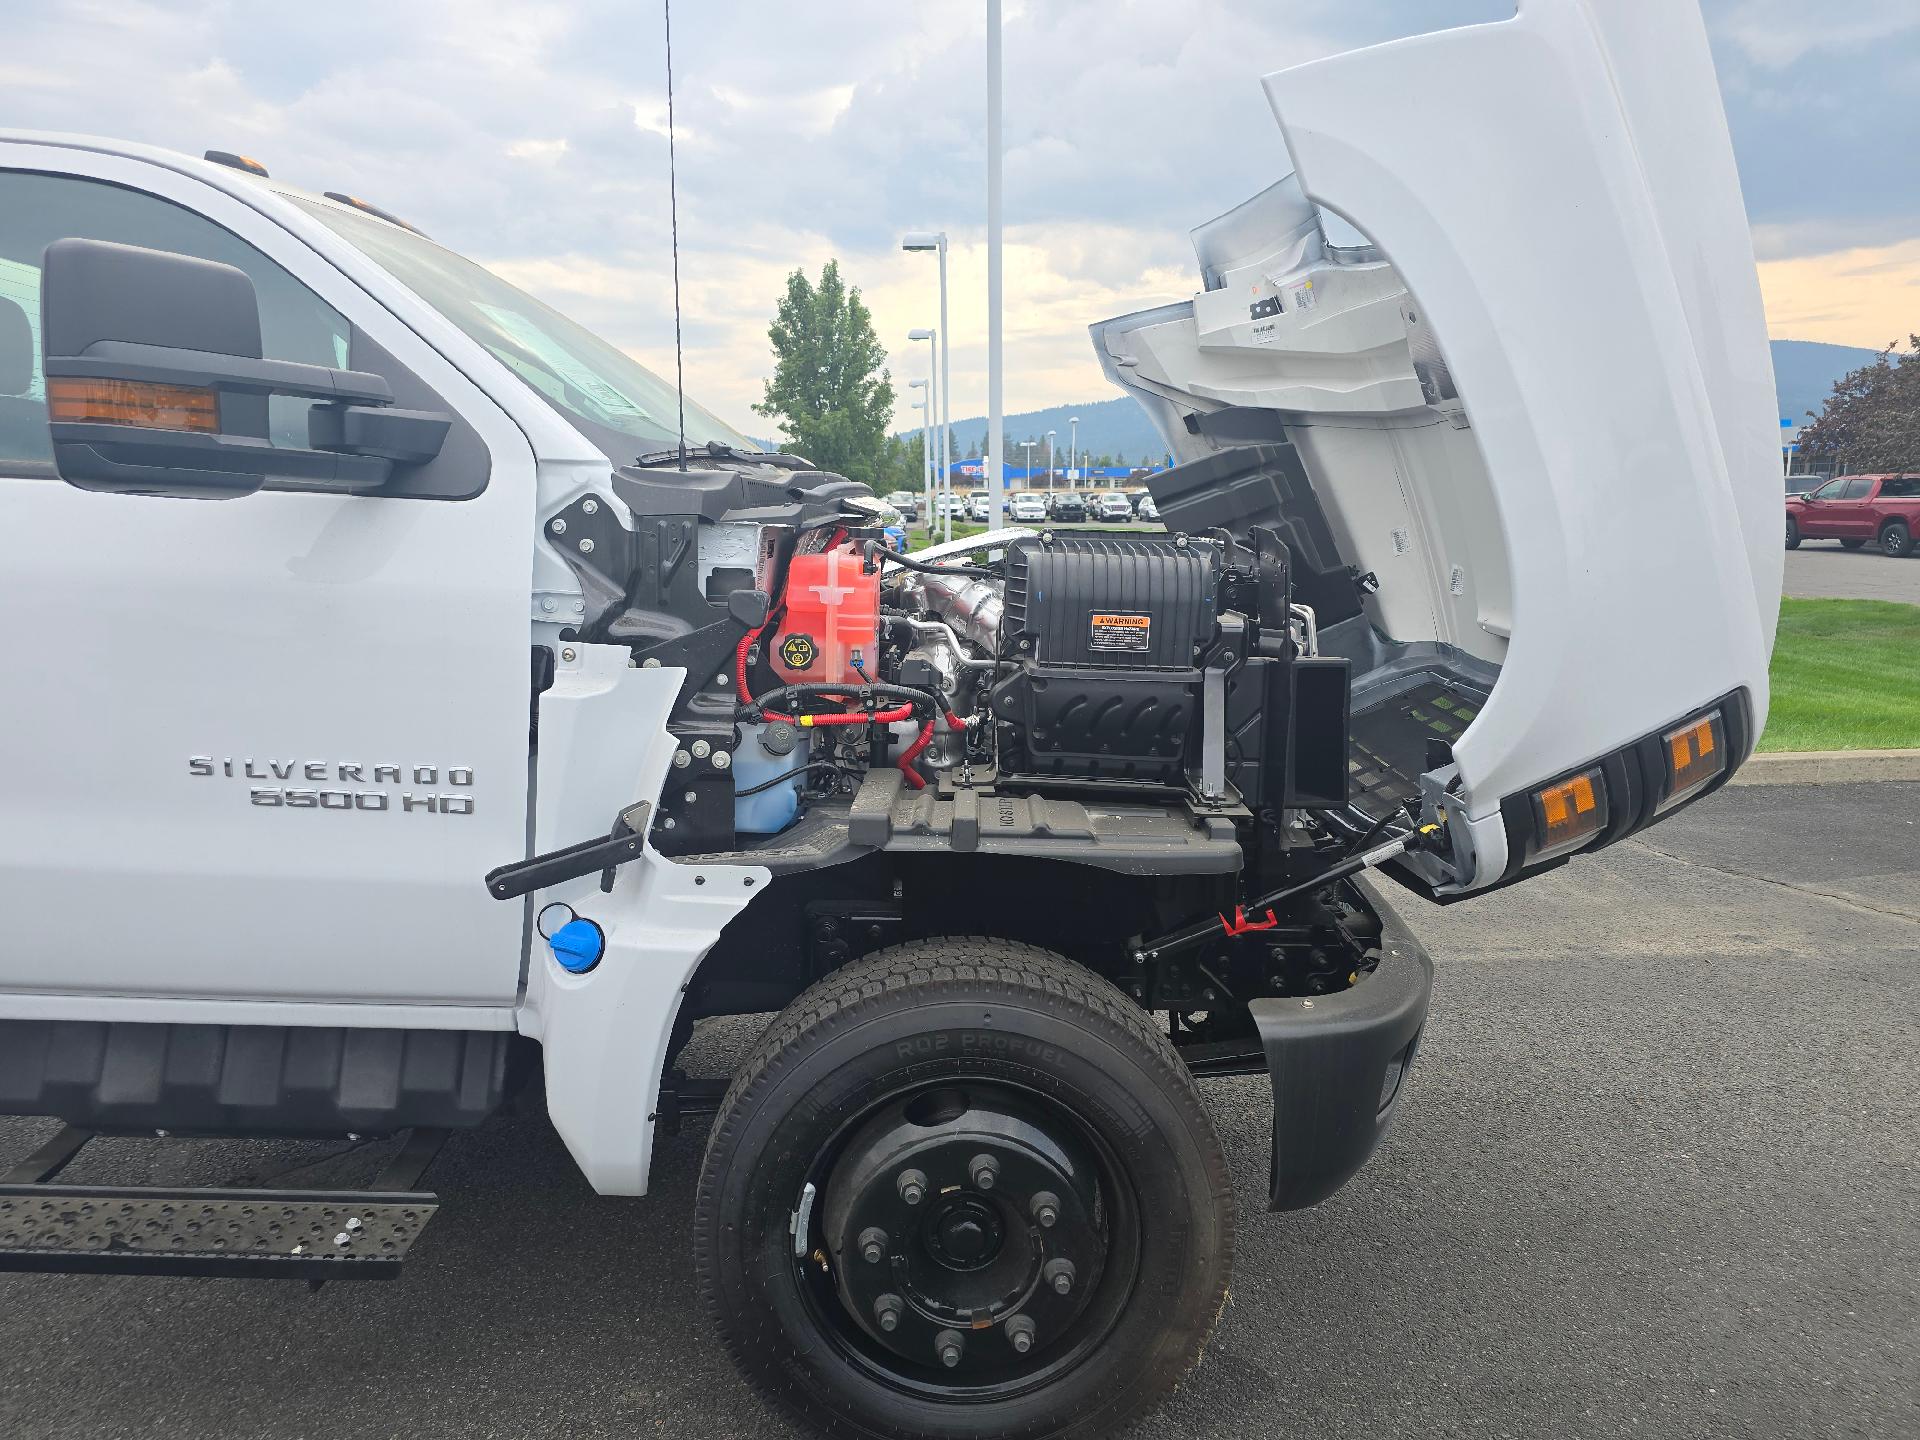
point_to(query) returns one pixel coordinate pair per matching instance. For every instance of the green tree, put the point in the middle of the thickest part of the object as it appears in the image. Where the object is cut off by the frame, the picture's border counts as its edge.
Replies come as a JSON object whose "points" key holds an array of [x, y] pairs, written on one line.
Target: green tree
{"points": [[902, 466], [1871, 422], [830, 391]]}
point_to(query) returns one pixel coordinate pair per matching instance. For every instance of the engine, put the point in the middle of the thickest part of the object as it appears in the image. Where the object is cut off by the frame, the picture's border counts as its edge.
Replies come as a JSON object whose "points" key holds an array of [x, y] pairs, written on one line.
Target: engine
{"points": [[1176, 669], [1168, 663], [1151, 665]]}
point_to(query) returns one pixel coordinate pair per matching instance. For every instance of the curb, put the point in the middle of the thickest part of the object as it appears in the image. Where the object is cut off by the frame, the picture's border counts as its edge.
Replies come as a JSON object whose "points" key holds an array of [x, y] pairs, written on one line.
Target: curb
{"points": [[1828, 767]]}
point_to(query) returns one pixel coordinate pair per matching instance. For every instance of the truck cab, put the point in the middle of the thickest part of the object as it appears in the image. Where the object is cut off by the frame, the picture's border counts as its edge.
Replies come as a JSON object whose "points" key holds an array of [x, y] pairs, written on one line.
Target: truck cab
{"points": [[404, 701]]}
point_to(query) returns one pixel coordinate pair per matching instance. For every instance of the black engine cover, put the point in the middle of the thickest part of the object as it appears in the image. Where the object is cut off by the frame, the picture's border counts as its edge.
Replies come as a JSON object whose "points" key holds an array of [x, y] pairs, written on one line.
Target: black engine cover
{"points": [[1106, 631], [1109, 602]]}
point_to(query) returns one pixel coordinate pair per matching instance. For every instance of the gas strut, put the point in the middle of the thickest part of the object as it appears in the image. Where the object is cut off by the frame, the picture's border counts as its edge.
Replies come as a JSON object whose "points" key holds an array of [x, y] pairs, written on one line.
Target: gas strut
{"points": [[1201, 930]]}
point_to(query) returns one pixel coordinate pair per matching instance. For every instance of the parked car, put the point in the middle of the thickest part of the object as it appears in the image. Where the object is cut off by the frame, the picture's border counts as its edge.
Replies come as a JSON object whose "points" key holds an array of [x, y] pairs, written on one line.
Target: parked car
{"points": [[977, 506], [1856, 509], [1028, 507], [1069, 507], [1145, 509], [907, 502], [1114, 506]]}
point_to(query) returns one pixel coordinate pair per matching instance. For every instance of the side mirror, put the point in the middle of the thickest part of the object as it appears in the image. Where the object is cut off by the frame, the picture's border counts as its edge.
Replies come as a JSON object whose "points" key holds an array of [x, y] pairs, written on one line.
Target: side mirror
{"points": [[156, 386]]}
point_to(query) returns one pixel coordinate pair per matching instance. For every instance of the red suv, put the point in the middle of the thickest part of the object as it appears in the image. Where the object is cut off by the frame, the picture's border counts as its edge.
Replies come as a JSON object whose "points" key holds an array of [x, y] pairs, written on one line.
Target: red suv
{"points": [[1857, 508]]}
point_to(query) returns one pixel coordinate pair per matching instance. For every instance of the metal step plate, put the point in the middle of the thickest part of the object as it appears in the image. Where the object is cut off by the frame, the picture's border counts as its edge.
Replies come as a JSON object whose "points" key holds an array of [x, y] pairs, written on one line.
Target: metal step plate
{"points": [[295, 1234]]}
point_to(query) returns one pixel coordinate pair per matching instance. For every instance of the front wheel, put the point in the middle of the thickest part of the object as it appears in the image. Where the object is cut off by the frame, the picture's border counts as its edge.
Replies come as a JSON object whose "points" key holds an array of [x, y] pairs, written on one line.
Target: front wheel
{"points": [[1793, 533], [1896, 539], [964, 1188]]}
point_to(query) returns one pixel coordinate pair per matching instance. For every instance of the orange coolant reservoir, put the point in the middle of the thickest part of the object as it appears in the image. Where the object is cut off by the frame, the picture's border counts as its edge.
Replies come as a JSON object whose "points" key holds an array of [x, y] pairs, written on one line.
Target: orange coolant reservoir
{"points": [[832, 620]]}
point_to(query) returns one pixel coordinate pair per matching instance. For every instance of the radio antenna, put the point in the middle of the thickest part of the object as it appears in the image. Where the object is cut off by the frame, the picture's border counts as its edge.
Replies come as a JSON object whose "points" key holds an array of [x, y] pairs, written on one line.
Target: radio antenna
{"points": [[673, 211]]}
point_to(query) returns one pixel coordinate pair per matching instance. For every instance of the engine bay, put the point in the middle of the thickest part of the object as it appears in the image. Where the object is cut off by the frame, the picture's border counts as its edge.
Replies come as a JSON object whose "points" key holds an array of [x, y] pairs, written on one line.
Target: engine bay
{"points": [[946, 741], [1170, 670]]}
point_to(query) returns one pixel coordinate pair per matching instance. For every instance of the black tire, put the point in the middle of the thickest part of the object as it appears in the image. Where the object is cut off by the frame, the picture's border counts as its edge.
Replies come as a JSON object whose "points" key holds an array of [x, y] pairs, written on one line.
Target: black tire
{"points": [[994, 1024], [1793, 533], [1896, 539], [1853, 544]]}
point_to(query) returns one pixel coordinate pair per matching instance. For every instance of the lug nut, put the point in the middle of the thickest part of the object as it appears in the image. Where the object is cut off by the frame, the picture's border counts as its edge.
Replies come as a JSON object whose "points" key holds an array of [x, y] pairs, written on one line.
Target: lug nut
{"points": [[1020, 1333], [983, 1170], [913, 1186], [1046, 1209], [887, 1310], [949, 1345], [1058, 1274], [873, 1245]]}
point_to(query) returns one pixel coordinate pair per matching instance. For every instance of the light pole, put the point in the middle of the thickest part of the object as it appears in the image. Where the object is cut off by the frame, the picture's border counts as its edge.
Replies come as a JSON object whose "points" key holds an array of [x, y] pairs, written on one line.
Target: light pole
{"points": [[1027, 445], [925, 406], [932, 337], [936, 240], [995, 142], [1073, 448]]}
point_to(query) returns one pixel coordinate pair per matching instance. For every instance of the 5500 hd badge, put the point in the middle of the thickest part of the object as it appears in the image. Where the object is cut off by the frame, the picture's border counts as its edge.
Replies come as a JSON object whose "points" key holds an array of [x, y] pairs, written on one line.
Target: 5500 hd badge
{"points": [[335, 785]]}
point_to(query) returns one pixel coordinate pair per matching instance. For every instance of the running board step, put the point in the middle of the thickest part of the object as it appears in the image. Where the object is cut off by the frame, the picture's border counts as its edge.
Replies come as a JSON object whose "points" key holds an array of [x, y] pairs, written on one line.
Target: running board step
{"points": [[312, 1235], [291, 1234]]}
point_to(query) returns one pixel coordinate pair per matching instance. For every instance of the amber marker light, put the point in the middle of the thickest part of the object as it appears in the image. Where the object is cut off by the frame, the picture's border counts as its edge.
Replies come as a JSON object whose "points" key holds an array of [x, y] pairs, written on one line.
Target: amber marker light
{"points": [[1568, 813], [83, 400], [1696, 754]]}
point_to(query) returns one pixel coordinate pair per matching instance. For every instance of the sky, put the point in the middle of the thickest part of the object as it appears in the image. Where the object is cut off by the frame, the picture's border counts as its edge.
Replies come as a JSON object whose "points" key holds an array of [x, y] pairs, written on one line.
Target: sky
{"points": [[532, 136]]}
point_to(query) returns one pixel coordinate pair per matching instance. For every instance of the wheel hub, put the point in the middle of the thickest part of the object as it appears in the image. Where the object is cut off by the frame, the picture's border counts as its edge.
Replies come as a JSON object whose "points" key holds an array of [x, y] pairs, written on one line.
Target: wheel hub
{"points": [[967, 1235], [965, 1230]]}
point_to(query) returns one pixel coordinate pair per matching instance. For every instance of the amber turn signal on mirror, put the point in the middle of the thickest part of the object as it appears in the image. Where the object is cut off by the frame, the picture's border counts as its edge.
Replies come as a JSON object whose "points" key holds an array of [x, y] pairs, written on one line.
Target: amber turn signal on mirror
{"points": [[1567, 814], [1696, 754], [83, 400]]}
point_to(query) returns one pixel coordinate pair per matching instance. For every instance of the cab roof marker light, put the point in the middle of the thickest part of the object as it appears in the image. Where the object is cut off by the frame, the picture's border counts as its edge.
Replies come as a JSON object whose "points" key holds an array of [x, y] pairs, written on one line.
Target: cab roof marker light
{"points": [[340, 197], [236, 162], [1567, 814], [1695, 754]]}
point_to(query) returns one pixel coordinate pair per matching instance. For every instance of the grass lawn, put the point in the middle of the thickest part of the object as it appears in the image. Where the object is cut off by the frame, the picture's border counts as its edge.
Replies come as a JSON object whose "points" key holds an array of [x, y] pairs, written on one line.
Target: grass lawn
{"points": [[1846, 676]]}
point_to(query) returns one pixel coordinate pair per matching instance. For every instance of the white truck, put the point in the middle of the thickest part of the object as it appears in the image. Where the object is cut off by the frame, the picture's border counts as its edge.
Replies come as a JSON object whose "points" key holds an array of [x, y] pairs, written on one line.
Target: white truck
{"points": [[483, 728]]}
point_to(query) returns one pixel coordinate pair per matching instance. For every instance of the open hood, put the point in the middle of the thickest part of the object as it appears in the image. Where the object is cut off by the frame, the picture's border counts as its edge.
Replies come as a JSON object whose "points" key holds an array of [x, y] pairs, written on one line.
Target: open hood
{"points": [[1524, 438]]}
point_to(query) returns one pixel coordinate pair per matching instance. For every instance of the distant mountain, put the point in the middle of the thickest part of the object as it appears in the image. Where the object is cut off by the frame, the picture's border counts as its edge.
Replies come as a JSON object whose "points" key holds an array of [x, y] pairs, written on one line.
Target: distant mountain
{"points": [[1117, 427], [1804, 373]]}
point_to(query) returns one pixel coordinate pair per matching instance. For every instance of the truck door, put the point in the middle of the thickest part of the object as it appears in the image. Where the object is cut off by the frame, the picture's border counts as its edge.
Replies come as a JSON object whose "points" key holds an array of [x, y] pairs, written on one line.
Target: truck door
{"points": [[260, 749], [1824, 515], [1854, 515]]}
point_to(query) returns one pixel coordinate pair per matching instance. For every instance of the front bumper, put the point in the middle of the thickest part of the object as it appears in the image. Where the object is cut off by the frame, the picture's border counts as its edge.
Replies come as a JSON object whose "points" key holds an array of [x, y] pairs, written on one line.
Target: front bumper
{"points": [[1338, 1065]]}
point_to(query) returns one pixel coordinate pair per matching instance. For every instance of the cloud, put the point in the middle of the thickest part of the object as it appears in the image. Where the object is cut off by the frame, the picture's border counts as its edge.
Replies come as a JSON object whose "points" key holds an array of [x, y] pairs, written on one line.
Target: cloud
{"points": [[531, 135], [542, 150], [1778, 34], [1864, 296]]}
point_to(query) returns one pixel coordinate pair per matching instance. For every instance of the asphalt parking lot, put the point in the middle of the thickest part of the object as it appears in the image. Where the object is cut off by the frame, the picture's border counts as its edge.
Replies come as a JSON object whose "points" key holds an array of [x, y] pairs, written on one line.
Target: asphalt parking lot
{"points": [[1658, 1175], [1820, 569]]}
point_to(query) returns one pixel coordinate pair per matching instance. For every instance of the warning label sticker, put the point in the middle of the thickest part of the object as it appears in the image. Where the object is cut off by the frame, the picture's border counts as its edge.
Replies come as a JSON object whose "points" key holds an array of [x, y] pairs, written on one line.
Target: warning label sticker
{"points": [[1120, 632]]}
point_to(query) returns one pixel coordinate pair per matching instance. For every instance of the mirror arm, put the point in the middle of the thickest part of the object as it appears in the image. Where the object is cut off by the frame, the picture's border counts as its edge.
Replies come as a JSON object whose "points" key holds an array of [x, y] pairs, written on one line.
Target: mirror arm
{"points": [[139, 454], [124, 360]]}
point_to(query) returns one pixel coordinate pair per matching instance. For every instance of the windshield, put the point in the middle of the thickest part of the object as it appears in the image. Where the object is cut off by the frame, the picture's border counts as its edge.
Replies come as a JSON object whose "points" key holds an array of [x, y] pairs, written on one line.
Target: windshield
{"points": [[615, 401]]}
